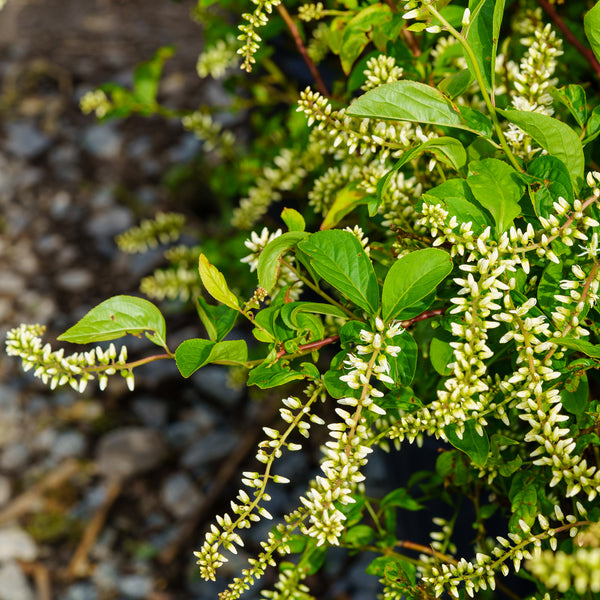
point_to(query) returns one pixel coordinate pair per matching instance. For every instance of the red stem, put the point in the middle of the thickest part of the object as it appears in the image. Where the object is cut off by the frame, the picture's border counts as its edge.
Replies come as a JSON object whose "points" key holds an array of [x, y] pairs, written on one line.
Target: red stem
{"points": [[312, 345], [424, 315]]}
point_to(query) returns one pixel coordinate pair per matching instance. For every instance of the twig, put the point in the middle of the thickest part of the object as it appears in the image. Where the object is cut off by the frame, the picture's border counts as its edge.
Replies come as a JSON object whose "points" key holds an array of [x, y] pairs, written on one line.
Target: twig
{"points": [[570, 36], [285, 15], [41, 577], [311, 346], [79, 567], [411, 42], [424, 315], [32, 498]]}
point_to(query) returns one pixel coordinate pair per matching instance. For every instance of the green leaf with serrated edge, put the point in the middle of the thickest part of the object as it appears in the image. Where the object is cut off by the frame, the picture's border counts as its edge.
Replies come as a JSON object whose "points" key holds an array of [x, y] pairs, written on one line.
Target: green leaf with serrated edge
{"points": [[270, 257], [338, 258], [346, 200], [475, 446], [576, 401], [217, 319], [412, 278], [407, 100], [215, 283], [584, 346], [291, 310], [400, 497], [523, 505], [403, 366], [497, 187], [193, 354], [293, 220], [591, 25], [456, 197], [573, 97], [552, 182], [554, 136], [117, 317], [548, 286], [272, 375], [441, 353]]}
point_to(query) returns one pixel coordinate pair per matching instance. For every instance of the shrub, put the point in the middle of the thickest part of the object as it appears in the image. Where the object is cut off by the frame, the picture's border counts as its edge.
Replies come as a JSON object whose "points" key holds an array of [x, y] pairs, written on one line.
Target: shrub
{"points": [[437, 279]]}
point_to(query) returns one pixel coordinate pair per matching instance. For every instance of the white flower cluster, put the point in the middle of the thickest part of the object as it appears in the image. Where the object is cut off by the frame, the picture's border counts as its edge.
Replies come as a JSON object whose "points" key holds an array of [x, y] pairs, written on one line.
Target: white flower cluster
{"points": [[95, 101], [162, 229], [256, 244], [560, 570], [347, 450], [56, 369], [216, 60], [210, 132], [181, 283], [381, 69], [311, 12], [318, 45], [532, 79], [249, 37]]}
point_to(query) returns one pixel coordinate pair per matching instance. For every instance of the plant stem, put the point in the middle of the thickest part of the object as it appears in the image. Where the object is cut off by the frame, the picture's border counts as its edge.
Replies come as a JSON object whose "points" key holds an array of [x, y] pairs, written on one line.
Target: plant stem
{"points": [[305, 348], [486, 97], [285, 15], [570, 36]]}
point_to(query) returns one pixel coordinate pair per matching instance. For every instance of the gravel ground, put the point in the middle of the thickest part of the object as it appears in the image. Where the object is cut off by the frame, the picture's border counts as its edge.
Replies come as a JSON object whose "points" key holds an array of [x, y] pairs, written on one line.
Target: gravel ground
{"points": [[147, 468]]}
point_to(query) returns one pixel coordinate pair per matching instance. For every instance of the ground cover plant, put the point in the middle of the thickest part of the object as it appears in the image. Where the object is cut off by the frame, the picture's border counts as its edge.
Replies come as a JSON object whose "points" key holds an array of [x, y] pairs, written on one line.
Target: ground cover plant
{"points": [[424, 259]]}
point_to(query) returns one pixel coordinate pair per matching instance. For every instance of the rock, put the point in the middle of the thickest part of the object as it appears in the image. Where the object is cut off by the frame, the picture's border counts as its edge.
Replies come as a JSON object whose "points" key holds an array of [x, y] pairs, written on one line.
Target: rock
{"points": [[25, 140], [135, 586], [15, 457], [11, 283], [130, 451], [82, 591], [106, 577], [180, 495], [15, 543], [69, 443], [75, 280], [211, 447], [103, 141], [151, 411], [13, 583], [212, 381], [109, 222]]}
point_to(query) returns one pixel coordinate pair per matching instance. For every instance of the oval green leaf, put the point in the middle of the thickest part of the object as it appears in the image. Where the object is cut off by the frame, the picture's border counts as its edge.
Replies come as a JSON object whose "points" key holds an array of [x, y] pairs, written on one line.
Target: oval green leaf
{"points": [[215, 283], [117, 317], [412, 278], [193, 354], [270, 257]]}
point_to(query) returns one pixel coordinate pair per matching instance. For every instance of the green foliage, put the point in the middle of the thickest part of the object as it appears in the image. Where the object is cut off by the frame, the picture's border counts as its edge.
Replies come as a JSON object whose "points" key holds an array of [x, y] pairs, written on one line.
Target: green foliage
{"points": [[438, 278]]}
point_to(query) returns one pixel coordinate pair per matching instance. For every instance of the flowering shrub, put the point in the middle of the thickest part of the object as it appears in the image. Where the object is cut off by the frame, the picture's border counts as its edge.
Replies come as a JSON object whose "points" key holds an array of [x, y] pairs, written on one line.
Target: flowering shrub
{"points": [[440, 280]]}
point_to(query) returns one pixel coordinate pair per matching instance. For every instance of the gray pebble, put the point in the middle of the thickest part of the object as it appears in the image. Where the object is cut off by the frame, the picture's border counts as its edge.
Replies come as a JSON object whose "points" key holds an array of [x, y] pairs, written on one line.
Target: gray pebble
{"points": [[103, 141], [151, 411], [135, 586], [15, 543], [5, 490], [129, 451], [210, 447], [180, 495], [13, 583], [15, 457], [69, 443], [106, 577], [11, 283], [75, 280], [25, 140], [212, 381], [82, 591], [110, 222]]}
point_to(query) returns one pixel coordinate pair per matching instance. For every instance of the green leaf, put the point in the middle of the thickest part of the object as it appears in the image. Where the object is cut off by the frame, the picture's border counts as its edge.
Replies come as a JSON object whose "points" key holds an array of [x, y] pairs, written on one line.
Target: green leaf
{"points": [[403, 366], [456, 84], [553, 182], [271, 375], [292, 310], [456, 196], [591, 25], [401, 498], [338, 258], [584, 346], [359, 535], [218, 319], [441, 353], [554, 136], [576, 401], [215, 283], [117, 317], [412, 278], [270, 257], [476, 446], [293, 219], [407, 100], [523, 498], [346, 200], [573, 97], [497, 188], [392, 568], [193, 354], [548, 286], [592, 127], [147, 75], [482, 35]]}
